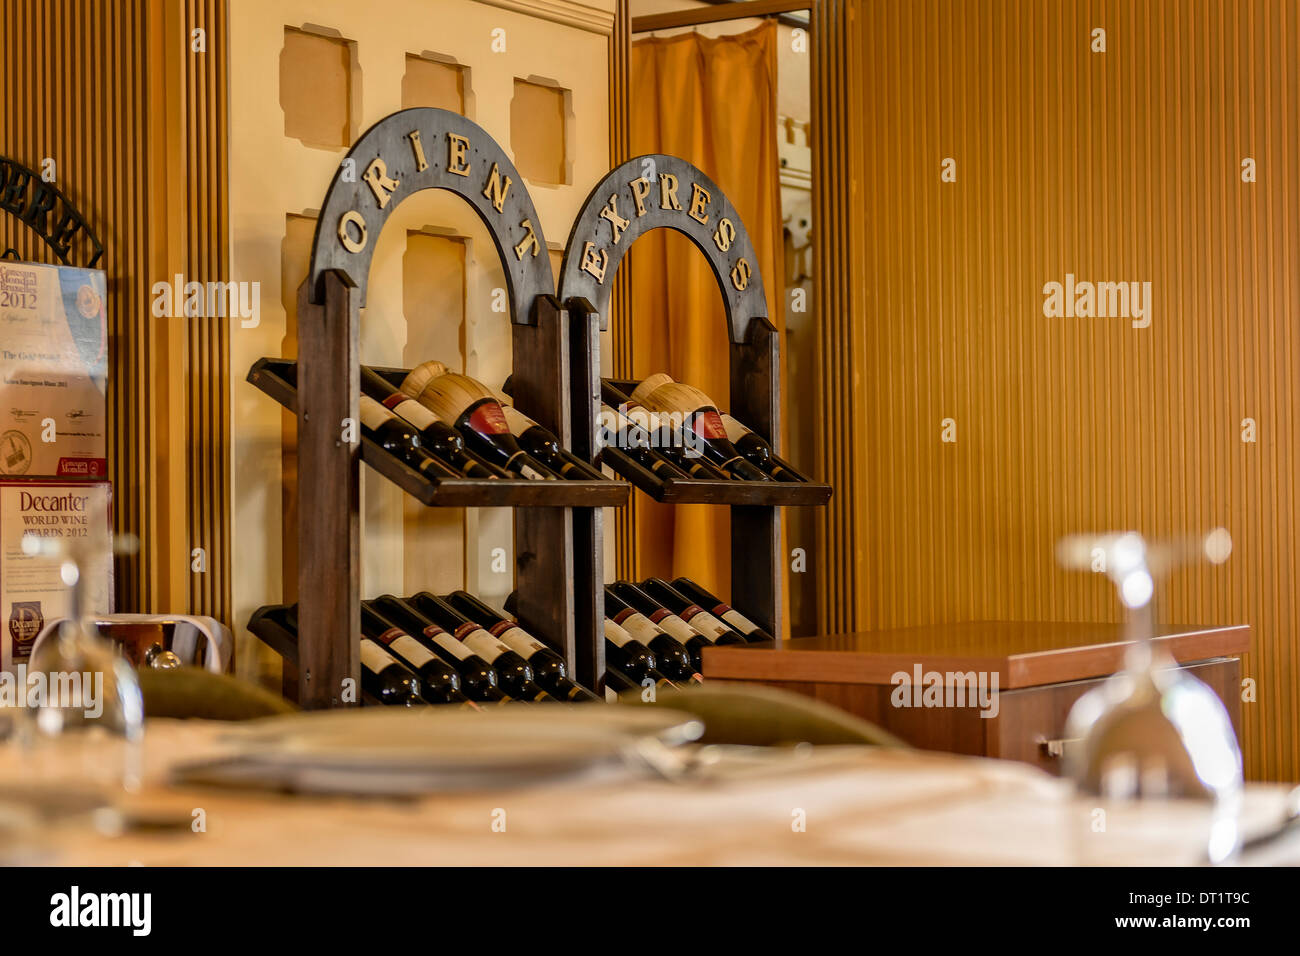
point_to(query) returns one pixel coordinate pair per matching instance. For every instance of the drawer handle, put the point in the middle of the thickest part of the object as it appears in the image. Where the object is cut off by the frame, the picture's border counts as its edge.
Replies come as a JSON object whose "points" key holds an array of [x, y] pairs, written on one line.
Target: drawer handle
{"points": [[1056, 748]]}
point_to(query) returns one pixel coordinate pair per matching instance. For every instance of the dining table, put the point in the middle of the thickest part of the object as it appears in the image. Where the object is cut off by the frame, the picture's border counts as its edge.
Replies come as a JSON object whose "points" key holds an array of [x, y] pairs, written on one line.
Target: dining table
{"points": [[800, 805]]}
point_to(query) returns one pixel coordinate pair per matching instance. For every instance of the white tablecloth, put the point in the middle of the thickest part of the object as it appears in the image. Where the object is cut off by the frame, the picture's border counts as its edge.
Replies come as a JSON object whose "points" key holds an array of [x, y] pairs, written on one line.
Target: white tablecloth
{"points": [[846, 805]]}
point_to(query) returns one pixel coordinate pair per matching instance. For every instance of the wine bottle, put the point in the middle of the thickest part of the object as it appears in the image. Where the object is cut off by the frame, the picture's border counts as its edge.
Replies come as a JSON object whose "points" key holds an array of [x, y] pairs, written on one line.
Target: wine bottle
{"points": [[513, 673], [385, 679], [643, 427], [473, 409], [383, 676], [700, 415], [545, 447], [478, 680], [677, 649], [619, 682], [715, 629], [419, 376], [622, 437], [549, 668], [625, 653], [754, 447], [753, 633], [436, 437], [399, 439], [439, 683], [648, 385]]}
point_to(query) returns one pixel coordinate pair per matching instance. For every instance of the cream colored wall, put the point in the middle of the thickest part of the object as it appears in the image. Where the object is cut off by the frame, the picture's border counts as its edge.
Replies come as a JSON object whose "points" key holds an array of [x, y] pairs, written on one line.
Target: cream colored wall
{"points": [[271, 176]]}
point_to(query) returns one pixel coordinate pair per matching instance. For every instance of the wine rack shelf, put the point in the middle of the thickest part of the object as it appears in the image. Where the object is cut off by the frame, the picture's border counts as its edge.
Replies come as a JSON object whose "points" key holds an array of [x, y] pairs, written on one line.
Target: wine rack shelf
{"points": [[559, 570], [665, 192], [554, 579], [271, 376], [776, 494]]}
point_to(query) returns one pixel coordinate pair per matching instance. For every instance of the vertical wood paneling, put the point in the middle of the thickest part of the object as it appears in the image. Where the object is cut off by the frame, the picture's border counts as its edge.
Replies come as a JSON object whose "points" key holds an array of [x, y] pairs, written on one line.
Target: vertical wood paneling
{"points": [[1115, 166], [620, 312], [207, 258], [74, 91], [840, 562], [89, 85]]}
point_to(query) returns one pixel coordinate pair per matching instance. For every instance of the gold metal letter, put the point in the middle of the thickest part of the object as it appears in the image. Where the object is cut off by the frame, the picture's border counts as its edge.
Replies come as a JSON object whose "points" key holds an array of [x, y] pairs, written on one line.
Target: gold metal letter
{"points": [[354, 218], [457, 146], [640, 190], [594, 261], [421, 164], [529, 240], [723, 235], [616, 222], [668, 192], [700, 198], [376, 175], [740, 275], [494, 191]]}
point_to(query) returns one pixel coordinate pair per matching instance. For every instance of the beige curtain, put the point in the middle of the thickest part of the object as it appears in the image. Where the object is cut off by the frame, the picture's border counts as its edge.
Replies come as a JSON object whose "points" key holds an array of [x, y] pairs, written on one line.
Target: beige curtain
{"points": [[711, 101]]}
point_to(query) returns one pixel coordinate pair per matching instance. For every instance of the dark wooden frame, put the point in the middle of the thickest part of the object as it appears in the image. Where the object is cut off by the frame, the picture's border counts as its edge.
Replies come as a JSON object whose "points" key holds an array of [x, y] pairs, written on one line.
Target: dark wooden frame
{"points": [[756, 556], [327, 393]]}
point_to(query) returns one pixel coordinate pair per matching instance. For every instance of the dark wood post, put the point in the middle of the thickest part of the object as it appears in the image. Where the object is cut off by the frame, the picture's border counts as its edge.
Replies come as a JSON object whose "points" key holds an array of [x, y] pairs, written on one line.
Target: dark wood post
{"points": [[544, 570], [329, 494], [757, 578]]}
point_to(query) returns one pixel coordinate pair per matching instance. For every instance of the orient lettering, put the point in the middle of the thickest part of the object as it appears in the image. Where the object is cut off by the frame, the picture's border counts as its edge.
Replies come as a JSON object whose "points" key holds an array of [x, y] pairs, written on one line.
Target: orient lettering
{"points": [[376, 176], [421, 164], [529, 241], [495, 191], [457, 147], [352, 218]]}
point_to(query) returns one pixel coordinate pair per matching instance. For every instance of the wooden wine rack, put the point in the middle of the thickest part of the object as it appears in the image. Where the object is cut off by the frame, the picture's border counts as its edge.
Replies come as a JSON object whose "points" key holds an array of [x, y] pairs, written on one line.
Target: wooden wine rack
{"points": [[406, 152], [664, 192], [559, 540]]}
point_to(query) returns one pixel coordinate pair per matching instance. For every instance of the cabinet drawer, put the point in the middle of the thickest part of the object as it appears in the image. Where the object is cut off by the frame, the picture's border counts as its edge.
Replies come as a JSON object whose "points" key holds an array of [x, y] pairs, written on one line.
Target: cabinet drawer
{"points": [[1030, 726]]}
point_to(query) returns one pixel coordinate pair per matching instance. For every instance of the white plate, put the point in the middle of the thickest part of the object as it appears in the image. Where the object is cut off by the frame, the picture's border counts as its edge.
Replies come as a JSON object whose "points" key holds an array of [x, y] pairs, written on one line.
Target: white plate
{"points": [[400, 751]]}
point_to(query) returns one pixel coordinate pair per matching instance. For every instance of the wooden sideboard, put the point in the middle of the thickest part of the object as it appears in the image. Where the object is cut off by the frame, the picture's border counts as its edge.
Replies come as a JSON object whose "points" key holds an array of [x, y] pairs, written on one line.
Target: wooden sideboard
{"points": [[1041, 669]]}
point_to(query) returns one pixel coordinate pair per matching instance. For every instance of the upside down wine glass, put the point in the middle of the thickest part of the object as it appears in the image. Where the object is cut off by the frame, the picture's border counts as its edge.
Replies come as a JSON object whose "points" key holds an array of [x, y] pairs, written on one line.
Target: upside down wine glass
{"points": [[1153, 731], [84, 722]]}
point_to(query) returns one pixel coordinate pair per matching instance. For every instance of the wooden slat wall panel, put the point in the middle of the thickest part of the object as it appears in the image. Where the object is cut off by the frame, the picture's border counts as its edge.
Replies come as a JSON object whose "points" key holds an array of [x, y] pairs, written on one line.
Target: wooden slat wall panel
{"points": [[75, 90], [840, 562], [620, 149], [88, 84], [1122, 165], [207, 257]]}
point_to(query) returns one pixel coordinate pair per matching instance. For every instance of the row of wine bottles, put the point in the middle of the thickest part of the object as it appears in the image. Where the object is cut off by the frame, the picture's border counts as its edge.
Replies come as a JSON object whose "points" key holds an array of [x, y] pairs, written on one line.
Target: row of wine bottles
{"points": [[448, 425], [676, 431], [658, 631], [455, 649]]}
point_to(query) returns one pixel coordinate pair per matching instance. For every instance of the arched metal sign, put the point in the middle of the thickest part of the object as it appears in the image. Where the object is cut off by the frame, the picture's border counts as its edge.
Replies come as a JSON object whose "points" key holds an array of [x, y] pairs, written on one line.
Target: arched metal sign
{"points": [[661, 192], [49, 213], [424, 148]]}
